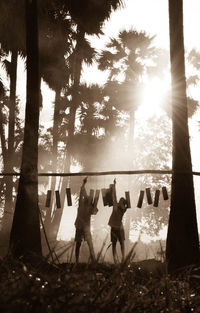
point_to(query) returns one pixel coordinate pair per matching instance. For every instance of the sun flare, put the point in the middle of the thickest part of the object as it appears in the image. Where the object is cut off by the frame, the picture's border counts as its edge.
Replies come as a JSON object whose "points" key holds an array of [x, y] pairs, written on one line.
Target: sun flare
{"points": [[153, 96]]}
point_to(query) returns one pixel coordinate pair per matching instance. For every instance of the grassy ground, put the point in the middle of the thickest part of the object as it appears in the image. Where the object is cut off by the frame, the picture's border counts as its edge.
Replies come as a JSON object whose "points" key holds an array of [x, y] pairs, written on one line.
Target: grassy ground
{"points": [[95, 288]]}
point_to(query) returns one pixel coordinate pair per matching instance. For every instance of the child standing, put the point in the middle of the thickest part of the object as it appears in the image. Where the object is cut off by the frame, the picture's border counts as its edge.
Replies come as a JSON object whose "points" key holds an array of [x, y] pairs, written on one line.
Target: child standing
{"points": [[82, 223], [115, 222]]}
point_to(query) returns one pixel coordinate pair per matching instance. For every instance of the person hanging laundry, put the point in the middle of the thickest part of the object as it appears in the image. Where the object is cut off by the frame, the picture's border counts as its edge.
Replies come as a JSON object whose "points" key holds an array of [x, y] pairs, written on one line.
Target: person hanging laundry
{"points": [[82, 222], [115, 222]]}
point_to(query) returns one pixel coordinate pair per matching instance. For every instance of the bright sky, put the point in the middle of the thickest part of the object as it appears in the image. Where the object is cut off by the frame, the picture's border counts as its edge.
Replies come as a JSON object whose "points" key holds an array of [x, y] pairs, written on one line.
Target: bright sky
{"points": [[152, 16], [148, 15]]}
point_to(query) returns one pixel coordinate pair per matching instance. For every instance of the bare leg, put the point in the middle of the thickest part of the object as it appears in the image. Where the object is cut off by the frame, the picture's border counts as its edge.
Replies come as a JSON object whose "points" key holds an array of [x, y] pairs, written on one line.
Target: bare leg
{"points": [[91, 248], [122, 249], [114, 251], [77, 250]]}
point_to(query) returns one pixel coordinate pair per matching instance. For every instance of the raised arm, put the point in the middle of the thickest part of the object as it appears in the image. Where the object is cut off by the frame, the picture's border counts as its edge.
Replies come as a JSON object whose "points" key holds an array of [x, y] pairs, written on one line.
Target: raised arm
{"points": [[83, 193], [114, 195]]}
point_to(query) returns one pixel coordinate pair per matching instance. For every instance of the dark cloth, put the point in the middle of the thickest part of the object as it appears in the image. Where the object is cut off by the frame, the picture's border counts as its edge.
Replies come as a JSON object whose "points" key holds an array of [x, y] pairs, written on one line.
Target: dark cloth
{"points": [[83, 214], [117, 233], [83, 233]]}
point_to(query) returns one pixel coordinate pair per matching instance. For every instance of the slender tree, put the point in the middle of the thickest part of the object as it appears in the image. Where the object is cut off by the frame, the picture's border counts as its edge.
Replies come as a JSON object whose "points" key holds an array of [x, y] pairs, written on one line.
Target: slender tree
{"points": [[25, 233], [182, 238], [89, 18], [12, 40]]}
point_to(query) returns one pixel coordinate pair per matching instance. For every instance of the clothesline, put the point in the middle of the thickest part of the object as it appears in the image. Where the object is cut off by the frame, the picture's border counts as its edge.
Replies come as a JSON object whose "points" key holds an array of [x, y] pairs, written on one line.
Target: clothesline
{"points": [[135, 172]]}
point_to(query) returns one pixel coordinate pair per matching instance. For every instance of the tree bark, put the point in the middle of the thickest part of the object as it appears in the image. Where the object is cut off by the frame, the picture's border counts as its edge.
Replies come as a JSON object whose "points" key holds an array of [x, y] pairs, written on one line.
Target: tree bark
{"points": [[9, 164], [25, 233], [182, 238], [3, 139]]}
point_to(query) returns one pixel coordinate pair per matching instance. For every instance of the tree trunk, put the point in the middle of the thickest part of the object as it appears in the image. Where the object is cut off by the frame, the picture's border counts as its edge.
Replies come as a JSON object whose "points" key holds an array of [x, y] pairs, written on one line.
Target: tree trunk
{"points": [[12, 108], [9, 165], [130, 161], [55, 132], [4, 157], [182, 238], [47, 221], [25, 233], [3, 139], [74, 105]]}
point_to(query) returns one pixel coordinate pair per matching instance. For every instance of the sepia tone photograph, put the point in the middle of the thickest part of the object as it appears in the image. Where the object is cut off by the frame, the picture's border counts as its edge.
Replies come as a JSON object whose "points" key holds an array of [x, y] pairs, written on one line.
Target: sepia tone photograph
{"points": [[99, 156]]}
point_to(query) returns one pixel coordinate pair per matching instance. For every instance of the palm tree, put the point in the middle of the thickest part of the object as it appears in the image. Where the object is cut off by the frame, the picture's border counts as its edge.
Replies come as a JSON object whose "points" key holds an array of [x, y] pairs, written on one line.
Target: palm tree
{"points": [[125, 57], [89, 19], [54, 44], [25, 232], [87, 144], [12, 40], [182, 238], [26, 211]]}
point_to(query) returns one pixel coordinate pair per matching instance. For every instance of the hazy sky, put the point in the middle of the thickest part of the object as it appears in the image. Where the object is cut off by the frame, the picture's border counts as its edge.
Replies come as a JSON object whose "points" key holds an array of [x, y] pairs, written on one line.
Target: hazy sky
{"points": [[148, 15], [152, 17]]}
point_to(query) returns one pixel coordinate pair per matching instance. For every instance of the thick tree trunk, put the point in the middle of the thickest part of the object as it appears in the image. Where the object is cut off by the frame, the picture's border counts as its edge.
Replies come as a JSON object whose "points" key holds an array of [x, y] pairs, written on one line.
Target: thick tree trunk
{"points": [[4, 152], [3, 139], [4, 236], [12, 109], [25, 233], [182, 238], [11, 134]]}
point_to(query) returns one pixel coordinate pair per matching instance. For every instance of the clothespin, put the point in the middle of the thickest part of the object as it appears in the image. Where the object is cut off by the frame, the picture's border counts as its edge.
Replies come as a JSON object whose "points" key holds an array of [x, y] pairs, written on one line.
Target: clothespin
{"points": [[58, 205], [48, 199], [156, 199], [127, 197], [69, 198], [165, 193], [103, 191], [148, 194], [140, 200]]}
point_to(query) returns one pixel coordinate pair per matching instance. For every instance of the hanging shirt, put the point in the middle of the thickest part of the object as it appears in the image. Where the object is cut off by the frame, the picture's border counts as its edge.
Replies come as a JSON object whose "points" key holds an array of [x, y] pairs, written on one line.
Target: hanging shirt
{"points": [[83, 214]]}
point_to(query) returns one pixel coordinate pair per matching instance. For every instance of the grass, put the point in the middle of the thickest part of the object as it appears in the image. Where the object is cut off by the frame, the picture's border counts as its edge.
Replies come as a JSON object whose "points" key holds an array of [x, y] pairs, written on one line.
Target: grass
{"points": [[99, 287]]}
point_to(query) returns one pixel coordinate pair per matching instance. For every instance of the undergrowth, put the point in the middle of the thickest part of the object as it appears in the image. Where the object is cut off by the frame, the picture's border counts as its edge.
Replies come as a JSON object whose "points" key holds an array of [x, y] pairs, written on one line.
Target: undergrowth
{"points": [[99, 287]]}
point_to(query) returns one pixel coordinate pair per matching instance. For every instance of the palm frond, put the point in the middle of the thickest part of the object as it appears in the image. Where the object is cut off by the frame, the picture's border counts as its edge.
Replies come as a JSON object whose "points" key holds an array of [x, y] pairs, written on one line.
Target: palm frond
{"points": [[194, 58], [192, 105]]}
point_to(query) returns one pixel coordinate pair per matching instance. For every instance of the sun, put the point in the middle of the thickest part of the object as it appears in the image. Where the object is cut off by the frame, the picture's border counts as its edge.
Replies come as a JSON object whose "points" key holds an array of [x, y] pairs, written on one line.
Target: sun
{"points": [[153, 95]]}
